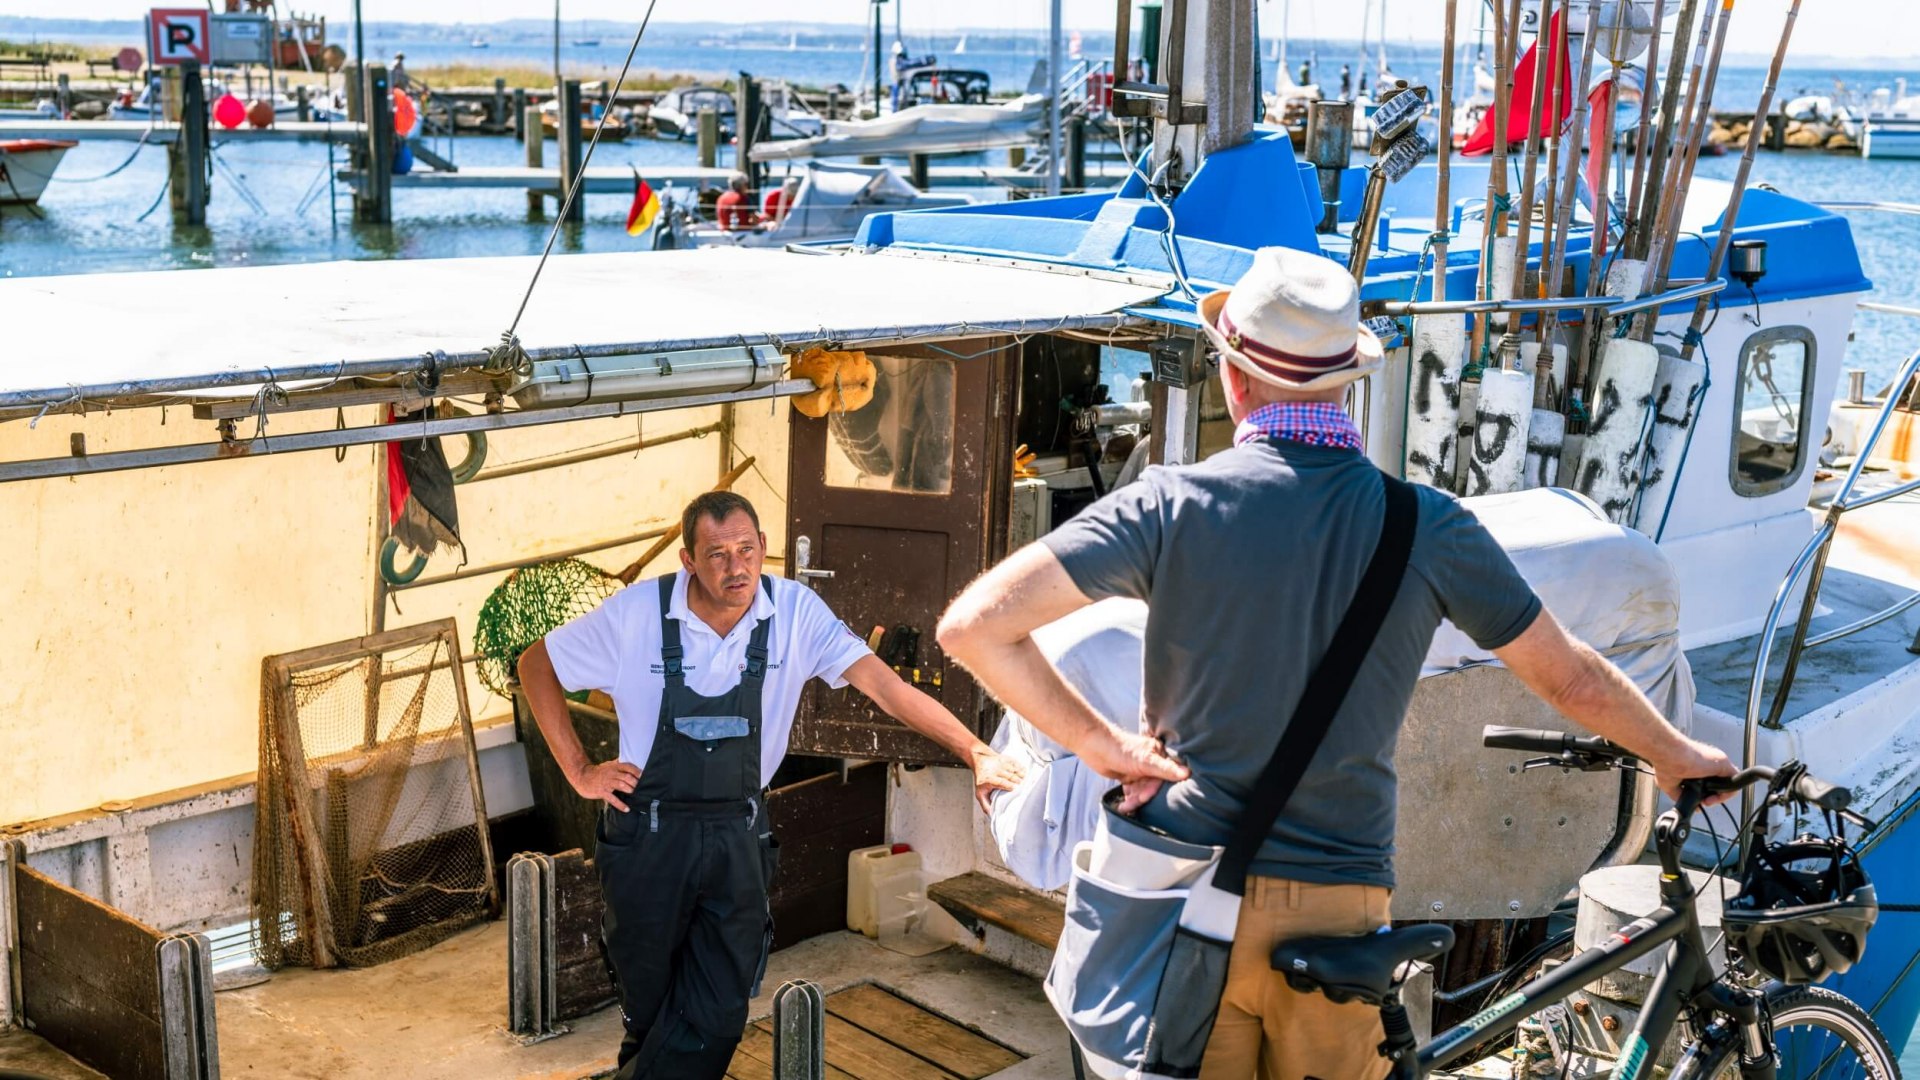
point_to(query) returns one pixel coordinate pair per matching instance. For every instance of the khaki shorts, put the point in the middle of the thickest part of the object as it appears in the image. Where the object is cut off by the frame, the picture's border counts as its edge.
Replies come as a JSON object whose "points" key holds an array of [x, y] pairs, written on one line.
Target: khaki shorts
{"points": [[1266, 1029]]}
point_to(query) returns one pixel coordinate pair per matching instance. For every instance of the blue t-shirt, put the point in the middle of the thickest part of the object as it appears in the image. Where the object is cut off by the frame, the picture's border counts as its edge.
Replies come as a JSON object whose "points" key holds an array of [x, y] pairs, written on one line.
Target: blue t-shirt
{"points": [[1248, 561]]}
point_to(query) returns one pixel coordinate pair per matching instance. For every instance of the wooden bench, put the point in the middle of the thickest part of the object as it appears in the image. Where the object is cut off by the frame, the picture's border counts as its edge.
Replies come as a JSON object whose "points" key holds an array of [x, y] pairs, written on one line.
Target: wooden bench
{"points": [[979, 901]]}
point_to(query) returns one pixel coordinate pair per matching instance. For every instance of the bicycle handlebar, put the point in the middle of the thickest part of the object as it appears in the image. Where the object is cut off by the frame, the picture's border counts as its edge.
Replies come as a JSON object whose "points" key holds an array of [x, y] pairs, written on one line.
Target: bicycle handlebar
{"points": [[1807, 787]]}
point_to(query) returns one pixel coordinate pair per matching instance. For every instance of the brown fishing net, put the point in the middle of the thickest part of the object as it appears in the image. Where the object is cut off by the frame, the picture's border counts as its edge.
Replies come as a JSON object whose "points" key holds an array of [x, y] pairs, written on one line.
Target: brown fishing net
{"points": [[370, 836]]}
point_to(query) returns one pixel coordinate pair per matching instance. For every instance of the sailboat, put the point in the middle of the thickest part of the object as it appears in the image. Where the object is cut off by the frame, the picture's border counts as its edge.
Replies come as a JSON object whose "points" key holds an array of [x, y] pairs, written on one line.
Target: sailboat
{"points": [[793, 42], [960, 47]]}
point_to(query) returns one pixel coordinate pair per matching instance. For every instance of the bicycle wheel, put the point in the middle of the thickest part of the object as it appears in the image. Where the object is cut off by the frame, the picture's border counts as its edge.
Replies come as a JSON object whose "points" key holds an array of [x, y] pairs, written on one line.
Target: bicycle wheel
{"points": [[1819, 1035]]}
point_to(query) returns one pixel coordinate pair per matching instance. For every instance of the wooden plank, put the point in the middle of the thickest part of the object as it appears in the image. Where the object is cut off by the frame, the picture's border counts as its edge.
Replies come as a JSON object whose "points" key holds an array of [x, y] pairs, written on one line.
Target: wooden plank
{"points": [[355, 648], [870, 1057], [308, 855], [925, 1034], [821, 910], [813, 859], [92, 945], [977, 899], [757, 1044], [98, 1030], [745, 1066]]}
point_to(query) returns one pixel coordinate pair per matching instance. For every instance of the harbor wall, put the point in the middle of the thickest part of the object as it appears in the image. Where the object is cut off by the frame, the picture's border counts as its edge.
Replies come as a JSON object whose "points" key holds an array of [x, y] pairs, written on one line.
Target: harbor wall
{"points": [[139, 604]]}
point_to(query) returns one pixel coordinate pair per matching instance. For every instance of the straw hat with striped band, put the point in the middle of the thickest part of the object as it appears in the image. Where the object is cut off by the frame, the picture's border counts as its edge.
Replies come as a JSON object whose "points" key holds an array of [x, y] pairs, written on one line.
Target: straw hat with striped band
{"points": [[1292, 320]]}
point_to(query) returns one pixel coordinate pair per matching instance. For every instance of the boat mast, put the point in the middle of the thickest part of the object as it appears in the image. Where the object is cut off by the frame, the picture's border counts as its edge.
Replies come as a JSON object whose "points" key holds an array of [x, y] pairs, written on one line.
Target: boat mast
{"points": [[556, 51]]}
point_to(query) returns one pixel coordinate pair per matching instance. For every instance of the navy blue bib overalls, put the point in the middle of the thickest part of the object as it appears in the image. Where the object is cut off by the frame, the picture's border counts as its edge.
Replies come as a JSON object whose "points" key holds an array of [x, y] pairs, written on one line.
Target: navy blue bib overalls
{"points": [[685, 873]]}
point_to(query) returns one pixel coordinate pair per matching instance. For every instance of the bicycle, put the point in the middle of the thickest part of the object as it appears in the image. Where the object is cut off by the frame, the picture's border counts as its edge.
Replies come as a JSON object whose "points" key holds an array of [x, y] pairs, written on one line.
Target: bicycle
{"points": [[1758, 1021]]}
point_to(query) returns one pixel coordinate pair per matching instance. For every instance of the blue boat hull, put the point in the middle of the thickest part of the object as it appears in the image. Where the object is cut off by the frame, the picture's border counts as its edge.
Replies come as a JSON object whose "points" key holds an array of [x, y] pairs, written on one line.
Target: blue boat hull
{"points": [[1886, 981]]}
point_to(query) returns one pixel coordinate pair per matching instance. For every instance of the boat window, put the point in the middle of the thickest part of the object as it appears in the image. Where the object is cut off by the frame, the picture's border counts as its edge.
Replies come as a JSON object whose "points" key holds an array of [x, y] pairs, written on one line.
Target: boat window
{"points": [[1774, 396], [902, 440]]}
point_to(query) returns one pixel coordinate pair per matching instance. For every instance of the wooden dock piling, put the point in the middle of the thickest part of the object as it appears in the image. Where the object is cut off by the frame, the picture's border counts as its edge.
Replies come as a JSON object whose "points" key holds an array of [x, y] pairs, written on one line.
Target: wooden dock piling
{"points": [[63, 96], [187, 156], [497, 115], [748, 124], [302, 105], [570, 149], [529, 128], [917, 170], [709, 138], [373, 200], [1076, 140]]}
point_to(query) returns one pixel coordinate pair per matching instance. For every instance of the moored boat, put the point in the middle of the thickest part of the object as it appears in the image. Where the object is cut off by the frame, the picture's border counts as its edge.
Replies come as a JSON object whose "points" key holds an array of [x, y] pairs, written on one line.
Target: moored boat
{"points": [[27, 166]]}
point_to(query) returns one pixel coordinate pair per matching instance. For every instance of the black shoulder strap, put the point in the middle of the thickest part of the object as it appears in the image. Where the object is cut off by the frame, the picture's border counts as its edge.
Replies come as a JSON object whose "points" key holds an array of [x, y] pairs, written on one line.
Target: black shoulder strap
{"points": [[756, 667], [670, 652], [1326, 687]]}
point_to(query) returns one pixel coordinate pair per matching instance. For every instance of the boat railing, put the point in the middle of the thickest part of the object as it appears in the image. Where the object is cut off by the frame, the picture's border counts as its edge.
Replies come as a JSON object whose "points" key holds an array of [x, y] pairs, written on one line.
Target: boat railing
{"points": [[1811, 565], [1615, 306]]}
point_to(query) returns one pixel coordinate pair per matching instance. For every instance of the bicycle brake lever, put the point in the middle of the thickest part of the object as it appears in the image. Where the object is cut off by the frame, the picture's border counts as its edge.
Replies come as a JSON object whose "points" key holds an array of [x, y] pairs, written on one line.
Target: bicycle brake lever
{"points": [[1570, 759]]}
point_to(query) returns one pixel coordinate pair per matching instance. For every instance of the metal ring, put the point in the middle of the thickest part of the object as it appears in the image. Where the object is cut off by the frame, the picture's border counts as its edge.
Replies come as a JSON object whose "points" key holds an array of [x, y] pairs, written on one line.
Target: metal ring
{"points": [[398, 577]]}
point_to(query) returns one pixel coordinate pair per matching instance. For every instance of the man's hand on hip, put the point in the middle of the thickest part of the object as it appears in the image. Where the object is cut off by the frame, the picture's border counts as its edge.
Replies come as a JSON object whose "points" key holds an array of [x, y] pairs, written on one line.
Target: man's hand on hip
{"points": [[994, 772], [1140, 762], [607, 781]]}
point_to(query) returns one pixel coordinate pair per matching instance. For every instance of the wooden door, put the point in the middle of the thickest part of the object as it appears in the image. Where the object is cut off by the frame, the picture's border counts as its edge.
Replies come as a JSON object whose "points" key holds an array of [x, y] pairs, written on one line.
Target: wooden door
{"points": [[892, 509]]}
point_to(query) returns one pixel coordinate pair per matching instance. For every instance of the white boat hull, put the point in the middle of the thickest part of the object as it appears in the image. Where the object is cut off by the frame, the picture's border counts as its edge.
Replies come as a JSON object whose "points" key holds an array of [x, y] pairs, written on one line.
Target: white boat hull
{"points": [[1892, 138], [26, 166]]}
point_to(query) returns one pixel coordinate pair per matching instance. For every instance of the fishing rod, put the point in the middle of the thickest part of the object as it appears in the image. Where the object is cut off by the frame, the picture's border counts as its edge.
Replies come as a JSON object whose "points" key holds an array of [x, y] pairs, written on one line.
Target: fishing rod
{"points": [[1556, 146], [1442, 204], [1666, 232], [1732, 215], [1641, 138], [1570, 189], [1544, 85], [1618, 53], [1662, 146], [1506, 26]]}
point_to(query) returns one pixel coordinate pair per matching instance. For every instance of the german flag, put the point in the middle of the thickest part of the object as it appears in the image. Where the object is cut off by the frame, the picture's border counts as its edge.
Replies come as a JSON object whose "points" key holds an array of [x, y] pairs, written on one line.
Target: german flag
{"points": [[646, 207]]}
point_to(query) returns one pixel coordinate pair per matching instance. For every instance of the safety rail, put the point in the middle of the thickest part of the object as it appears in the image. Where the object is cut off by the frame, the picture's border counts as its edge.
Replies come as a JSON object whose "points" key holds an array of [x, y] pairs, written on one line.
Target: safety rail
{"points": [[1609, 305], [1812, 564]]}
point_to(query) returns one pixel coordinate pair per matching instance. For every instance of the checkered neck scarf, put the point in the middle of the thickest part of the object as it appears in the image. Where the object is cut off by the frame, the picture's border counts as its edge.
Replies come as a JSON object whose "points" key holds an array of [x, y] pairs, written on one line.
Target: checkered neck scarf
{"points": [[1315, 423]]}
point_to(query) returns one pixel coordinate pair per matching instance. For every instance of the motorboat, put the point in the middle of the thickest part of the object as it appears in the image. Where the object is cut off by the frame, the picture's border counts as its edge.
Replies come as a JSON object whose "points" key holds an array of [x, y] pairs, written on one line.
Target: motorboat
{"points": [[676, 113], [27, 166], [832, 199]]}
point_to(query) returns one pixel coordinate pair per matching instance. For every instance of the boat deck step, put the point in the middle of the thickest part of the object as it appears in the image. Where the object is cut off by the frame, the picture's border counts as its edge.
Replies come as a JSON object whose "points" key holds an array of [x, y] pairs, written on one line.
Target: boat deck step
{"points": [[979, 901], [872, 1034]]}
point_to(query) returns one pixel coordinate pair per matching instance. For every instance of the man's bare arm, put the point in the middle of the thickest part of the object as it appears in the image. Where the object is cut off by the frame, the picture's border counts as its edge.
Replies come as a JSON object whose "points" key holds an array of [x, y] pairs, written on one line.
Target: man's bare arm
{"points": [[989, 628], [912, 707], [1584, 687], [548, 700]]}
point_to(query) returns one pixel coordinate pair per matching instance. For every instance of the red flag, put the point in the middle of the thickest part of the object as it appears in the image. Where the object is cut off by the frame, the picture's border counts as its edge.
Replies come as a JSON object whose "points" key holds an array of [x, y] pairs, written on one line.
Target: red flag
{"points": [[1521, 105]]}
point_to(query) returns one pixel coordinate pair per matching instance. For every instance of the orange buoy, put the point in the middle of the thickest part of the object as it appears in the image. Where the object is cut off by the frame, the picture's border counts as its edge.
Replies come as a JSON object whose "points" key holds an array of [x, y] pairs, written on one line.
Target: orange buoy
{"points": [[260, 114], [405, 114]]}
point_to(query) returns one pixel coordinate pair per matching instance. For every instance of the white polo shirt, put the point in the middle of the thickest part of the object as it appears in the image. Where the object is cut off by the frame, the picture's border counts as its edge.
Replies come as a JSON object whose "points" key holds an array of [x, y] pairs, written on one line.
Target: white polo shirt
{"points": [[615, 648]]}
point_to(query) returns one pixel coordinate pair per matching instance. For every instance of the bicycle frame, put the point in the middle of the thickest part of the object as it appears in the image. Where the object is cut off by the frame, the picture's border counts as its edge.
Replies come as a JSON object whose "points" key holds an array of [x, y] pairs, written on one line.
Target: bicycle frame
{"points": [[1686, 976]]}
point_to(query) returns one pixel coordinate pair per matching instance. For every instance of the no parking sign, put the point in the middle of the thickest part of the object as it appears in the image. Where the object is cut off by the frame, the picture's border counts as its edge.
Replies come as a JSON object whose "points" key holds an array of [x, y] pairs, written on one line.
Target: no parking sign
{"points": [[176, 35]]}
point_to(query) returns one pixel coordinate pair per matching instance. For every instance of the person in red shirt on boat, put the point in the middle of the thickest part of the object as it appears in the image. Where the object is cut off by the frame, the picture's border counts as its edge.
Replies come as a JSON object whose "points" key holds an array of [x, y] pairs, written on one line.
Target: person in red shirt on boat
{"points": [[778, 201], [735, 209]]}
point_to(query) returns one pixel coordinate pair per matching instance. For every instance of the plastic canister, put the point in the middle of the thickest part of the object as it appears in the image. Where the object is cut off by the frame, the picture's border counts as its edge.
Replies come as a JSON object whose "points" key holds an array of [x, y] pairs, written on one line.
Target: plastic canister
{"points": [[901, 911], [864, 867]]}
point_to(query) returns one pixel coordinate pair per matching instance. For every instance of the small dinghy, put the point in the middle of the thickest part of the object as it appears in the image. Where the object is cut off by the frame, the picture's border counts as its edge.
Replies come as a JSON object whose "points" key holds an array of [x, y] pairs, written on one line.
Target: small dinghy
{"points": [[26, 165]]}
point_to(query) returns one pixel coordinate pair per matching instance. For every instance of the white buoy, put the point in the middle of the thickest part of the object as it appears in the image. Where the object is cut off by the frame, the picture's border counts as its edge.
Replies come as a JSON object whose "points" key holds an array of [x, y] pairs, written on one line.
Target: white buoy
{"points": [[1571, 445], [1463, 432], [1556, 387], [1676, 405], [1501, 416], [1546, 435], [1504, 249], [1433, 404], [1622, 392]]}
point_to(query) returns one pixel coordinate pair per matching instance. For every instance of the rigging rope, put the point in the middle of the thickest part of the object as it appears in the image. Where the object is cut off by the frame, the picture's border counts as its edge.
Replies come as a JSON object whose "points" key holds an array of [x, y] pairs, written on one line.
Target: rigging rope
{"points": [[573, 189]]}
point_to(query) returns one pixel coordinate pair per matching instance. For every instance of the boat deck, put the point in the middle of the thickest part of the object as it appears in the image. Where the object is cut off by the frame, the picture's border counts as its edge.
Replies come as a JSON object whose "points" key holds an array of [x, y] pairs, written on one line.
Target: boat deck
{"points": [[442, 1013], [1870, 569]]}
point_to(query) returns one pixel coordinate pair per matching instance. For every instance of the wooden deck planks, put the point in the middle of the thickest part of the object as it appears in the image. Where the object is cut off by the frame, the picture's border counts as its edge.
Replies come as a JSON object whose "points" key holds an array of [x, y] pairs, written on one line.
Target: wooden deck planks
{"points": [[946, 1044], [875, 1035], [976, 899]]}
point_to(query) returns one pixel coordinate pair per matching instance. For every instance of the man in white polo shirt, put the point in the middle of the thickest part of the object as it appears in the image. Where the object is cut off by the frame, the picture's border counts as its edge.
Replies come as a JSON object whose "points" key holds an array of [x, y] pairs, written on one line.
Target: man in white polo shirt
{"points": [[705, 668]]}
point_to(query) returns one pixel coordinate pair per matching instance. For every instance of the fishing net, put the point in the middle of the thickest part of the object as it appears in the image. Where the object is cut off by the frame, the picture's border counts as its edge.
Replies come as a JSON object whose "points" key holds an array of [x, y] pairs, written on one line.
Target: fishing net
{"points": [[370, 834], [532, 601]]}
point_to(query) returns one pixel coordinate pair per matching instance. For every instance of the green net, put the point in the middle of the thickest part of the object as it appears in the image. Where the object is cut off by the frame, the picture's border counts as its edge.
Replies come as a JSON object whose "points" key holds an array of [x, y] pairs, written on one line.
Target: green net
{"points": [[530, 602]]}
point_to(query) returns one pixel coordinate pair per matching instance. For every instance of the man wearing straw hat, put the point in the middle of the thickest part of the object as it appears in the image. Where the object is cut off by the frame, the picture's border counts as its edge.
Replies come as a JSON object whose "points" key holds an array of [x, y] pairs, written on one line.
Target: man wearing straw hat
{"points": [[1248, 561]]}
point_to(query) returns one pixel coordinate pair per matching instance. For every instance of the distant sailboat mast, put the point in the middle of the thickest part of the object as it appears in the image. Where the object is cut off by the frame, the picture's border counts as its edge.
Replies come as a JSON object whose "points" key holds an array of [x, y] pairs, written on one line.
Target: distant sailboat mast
{"points": [[1381, 76]]}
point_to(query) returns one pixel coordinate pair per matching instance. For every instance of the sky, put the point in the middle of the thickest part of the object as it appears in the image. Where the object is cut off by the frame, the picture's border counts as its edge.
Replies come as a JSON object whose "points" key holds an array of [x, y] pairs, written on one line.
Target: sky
{"points": [[1825, 27]]}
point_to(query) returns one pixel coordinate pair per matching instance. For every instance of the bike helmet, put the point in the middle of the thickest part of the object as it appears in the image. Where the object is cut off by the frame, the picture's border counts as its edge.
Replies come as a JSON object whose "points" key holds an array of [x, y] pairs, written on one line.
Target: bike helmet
{"points": [[1803, 910]]}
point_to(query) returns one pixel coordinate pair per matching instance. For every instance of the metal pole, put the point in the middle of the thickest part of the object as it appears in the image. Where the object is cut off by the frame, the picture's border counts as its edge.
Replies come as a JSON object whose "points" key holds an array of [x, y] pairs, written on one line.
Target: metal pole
{"points": [[359, 36], [877, 56], [570, 148], [1054, 147], [1728, 220], [557, 79]]}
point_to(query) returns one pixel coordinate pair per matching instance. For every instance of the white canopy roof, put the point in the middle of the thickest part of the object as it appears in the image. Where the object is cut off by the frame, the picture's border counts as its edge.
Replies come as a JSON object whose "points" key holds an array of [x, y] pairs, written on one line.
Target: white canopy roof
{"points": [[128, 335]]}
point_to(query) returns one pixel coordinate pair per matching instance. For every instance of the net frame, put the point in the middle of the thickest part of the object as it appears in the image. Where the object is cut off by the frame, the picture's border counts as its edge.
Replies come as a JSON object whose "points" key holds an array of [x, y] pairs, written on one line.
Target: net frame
{"points": [[299, 887]]}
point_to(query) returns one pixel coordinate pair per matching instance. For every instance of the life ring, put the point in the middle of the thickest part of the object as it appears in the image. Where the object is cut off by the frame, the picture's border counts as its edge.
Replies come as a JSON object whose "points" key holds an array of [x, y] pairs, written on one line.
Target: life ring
{"points": [[469, 466], [388, 552]]}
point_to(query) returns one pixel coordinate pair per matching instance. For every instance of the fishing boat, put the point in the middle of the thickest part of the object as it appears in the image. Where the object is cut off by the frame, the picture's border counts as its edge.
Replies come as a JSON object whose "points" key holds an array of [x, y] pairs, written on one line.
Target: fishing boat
{"points": [[1890, 128], [1691, 557], [612, 128], [41, 109], [27, 166]]}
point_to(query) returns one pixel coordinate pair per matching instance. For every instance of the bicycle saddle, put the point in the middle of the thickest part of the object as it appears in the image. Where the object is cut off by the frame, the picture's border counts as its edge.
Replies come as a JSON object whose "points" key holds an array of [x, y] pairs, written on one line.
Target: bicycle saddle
{"points": [[1357, 968]]}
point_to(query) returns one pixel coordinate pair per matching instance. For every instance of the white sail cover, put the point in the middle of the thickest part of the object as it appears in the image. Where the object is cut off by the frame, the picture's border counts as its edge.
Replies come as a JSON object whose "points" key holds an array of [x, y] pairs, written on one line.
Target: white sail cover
{"points": [[922, 129]]}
